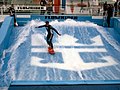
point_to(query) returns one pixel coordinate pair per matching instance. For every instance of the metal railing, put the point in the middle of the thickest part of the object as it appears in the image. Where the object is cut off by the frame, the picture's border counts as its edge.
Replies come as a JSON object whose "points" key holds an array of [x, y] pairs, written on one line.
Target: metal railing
{"points": [[37, 9], [68, 10]]}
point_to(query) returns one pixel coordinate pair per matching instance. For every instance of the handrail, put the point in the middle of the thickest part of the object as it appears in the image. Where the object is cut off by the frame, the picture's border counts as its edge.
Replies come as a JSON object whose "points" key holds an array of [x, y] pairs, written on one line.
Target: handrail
{"points": [[81, 82], [36, 8], [31, 8]]}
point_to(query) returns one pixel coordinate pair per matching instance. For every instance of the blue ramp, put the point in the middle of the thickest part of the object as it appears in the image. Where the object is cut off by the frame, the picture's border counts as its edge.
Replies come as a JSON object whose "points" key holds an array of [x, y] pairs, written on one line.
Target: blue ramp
{"points": [[85, 51]]}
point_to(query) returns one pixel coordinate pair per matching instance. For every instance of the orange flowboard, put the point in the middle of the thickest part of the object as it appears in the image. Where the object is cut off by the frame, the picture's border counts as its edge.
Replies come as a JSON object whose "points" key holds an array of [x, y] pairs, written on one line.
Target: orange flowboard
{"points": [[51, 51]]}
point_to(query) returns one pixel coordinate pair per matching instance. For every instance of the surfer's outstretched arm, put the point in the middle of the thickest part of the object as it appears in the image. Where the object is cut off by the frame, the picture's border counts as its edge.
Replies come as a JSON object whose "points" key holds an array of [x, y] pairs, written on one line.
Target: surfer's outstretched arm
{"points": [[55, 30], [40, 26]]}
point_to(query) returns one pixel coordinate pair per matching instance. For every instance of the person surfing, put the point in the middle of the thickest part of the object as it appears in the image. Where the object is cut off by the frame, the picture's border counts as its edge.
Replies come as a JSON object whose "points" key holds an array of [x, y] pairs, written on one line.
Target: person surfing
{"points": [[50, 34]]}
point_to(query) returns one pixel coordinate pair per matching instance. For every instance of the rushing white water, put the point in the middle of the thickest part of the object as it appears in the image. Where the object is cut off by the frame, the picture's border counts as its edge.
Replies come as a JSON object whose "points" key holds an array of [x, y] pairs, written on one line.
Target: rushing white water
{"points": [[30, 27], [31, 41], [109, 38]]}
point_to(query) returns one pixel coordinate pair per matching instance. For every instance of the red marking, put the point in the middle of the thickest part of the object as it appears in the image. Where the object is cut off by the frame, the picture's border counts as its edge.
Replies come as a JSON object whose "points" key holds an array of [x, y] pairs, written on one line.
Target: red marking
{"points": [[57, 6], [72, 8], [81, 5]]}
